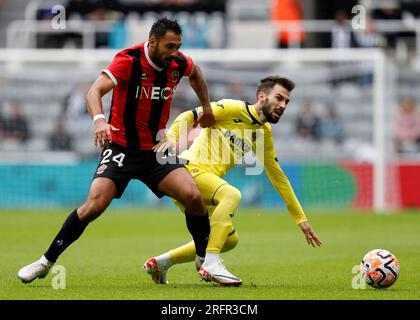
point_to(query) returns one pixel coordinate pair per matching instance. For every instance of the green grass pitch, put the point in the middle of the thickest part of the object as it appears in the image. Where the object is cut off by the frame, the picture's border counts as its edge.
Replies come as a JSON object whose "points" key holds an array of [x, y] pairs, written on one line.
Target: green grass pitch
{"points": [[272, 257]]}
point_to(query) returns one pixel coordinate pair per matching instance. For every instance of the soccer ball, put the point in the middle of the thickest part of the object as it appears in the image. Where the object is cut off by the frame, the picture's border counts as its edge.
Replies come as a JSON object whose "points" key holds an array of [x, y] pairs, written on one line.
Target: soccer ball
{"points": [[380, 268]]}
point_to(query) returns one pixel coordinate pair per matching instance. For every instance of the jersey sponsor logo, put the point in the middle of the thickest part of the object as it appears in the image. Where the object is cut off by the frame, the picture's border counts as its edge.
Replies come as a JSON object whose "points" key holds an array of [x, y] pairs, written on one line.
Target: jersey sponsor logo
{"points": [[254, 136], [237, 141], [156, 93]]}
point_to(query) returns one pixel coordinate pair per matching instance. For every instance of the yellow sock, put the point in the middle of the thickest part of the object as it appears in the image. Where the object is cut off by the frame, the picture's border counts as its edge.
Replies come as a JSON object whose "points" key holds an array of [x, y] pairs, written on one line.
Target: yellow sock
{"points": [[182, 254], [186, 252], [221, 239]]}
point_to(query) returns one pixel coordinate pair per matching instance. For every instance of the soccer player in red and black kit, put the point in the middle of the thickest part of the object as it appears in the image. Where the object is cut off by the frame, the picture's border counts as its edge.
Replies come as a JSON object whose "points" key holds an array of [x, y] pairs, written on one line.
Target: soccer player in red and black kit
{"points": [[144, 78]]}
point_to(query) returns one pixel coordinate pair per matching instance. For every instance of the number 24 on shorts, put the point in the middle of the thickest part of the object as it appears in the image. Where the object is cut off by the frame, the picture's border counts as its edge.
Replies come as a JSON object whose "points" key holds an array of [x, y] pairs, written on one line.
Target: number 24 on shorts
{"points": [[119, 158]]}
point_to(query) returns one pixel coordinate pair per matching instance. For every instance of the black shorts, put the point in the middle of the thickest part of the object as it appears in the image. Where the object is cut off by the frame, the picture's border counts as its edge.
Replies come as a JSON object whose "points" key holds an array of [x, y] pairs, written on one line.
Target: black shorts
{"points": [[121, 165]]}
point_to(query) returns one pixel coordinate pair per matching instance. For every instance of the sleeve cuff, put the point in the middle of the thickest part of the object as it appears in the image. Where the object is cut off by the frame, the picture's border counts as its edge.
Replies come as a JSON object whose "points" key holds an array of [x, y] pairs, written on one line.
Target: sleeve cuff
{"points": [[110, 75], [171, 137], [299, 221]]}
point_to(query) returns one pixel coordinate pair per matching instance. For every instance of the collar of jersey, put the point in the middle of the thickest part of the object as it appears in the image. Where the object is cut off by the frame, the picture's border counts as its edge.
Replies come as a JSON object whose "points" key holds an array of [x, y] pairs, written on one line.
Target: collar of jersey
{"points": [[146, 52], [253, 113]]}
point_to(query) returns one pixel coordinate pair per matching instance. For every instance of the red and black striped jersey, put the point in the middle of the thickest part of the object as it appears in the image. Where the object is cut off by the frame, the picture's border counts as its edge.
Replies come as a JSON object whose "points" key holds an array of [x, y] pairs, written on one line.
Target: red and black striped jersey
{"points": [[142, 95]]}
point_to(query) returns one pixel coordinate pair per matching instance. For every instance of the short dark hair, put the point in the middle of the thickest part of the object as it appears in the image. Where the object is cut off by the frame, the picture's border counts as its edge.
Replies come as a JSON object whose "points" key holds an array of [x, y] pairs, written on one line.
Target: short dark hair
{"points": [[268, 83], [163, 25]]}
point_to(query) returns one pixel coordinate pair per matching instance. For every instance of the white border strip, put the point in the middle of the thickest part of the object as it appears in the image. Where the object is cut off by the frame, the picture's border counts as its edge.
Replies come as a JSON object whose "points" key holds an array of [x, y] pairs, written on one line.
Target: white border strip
{"points": [[110, 75]]}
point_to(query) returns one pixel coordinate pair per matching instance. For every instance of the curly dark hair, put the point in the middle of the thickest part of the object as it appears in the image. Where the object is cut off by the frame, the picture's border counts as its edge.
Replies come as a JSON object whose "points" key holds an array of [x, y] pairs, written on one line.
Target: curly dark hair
{"points": [[163, 25], [268, 83]]}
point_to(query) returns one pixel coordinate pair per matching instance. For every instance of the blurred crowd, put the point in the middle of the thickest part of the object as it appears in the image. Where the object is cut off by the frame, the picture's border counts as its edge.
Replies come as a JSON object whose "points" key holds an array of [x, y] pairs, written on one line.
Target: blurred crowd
{"points": [[309, 124], [15, 127], [317, 125], [15, 131], [407, 127], [195, 18], [197, 21], [342, 34]]}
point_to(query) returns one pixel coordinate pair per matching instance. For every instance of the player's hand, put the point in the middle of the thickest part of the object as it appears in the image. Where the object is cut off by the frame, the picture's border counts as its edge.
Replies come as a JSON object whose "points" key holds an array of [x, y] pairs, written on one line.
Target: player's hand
{"points": [[205, 119], [164, 145], [310, 235], [102, 133]]}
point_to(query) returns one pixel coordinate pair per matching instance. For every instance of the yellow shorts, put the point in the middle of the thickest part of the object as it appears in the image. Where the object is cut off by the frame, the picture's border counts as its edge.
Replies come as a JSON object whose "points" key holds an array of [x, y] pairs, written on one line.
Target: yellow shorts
{"points": [[223, 236], [208, 184]]}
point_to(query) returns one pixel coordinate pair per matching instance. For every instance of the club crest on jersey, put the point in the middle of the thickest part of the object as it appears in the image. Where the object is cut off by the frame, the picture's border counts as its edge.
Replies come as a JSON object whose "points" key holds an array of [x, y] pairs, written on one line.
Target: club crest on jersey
{"points": [[101, 169], [175, 76]]}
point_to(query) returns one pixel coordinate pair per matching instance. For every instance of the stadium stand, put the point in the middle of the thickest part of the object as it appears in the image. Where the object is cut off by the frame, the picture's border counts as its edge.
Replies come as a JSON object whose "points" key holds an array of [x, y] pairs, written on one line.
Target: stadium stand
{"points": [[46, 90]]}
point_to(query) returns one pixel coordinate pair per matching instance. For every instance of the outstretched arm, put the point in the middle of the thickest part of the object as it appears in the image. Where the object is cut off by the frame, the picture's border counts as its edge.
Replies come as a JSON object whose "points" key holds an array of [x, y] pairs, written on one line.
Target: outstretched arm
{"points": [[284, 188], [178, 127], [281, 183]]}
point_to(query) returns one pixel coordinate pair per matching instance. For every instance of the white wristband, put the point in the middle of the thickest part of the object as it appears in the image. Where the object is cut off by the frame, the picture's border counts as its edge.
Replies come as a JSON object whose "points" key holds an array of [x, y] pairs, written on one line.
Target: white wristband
{"points": [[98, 116]]}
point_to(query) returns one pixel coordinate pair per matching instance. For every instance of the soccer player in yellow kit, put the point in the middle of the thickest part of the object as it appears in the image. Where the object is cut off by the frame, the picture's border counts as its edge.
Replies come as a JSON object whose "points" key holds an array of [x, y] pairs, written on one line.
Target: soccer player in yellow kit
{"points": [[239, 128]]}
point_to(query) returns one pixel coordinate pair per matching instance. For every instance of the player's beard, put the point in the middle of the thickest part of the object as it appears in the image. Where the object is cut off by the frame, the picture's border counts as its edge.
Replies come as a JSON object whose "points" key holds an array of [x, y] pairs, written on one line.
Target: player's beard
{"points": [[159, 60], [266, 108]]}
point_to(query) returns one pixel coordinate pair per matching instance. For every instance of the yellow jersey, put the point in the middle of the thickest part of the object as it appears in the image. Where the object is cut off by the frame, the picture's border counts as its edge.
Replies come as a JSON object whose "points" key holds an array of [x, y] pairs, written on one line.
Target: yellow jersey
{"points": [[237, 132]]}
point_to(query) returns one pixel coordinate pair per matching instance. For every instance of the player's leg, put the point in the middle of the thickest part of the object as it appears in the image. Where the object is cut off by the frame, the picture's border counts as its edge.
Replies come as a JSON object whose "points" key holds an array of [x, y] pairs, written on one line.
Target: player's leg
{"points": [[222, 200], [100, 195], [226, 199], [186, 252], [110, 180], [173, 180], [225, 237], [180, 185], [157, 267]]}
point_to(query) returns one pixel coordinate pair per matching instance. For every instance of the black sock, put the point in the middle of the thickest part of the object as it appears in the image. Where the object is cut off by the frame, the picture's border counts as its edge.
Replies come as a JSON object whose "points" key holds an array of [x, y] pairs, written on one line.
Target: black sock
{"points": [[69, 232], [199, 227]]}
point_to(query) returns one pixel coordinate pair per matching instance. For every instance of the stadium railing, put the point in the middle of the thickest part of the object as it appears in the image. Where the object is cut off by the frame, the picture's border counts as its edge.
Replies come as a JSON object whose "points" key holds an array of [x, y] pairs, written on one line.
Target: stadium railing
{"points": [[21, 33], [29, 69]]}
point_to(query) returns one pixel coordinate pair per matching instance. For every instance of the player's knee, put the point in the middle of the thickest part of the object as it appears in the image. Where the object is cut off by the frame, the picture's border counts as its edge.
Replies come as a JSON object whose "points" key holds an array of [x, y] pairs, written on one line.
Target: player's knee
{"points": [[235, 195], [193, 202], [92, 208], [229, 192], [88, 213]]}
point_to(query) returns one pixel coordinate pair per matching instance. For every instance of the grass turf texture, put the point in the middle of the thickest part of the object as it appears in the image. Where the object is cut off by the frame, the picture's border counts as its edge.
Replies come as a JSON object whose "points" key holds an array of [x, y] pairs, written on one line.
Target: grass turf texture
{"points": [[272, 257]]}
